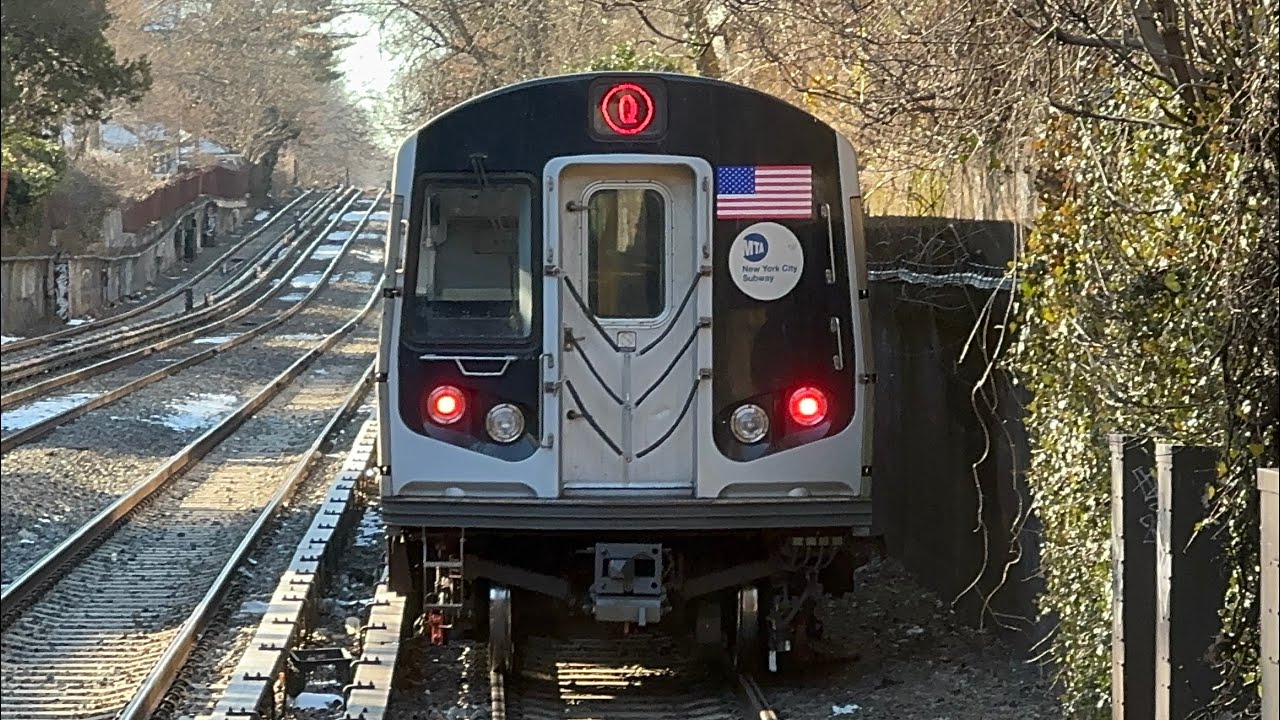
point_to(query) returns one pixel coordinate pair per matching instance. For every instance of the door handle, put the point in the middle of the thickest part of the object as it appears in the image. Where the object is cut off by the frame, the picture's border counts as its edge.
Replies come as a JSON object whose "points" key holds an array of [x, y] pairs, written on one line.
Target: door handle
{"points": [[570, 339]]}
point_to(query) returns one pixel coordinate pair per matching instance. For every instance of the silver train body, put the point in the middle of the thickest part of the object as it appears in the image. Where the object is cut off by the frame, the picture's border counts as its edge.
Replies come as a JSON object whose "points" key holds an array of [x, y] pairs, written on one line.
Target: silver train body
{"points": [[625, 363]]}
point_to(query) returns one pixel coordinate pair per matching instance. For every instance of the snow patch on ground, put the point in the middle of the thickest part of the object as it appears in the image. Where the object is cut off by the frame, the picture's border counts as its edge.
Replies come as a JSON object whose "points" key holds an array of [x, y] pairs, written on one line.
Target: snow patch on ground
{"points": [[301, 336], [79, 321], [317, 701], [262, 215], [363, 277], [379, 216], [327, 252], [40, 410], [293, 297], [370, 530], [339, 235], [214, 339], [254, 607], [373, 256], [6, 339], [306, 280], [196, 411]]}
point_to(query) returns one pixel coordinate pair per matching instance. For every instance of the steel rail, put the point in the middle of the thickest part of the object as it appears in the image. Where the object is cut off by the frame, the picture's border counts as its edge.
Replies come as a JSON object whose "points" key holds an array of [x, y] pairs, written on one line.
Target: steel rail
{"points": [[29, 585], [49, 424], [74, 330], [646, 680], [372, 684], [279, 629], [97, 346], [497, 695], [307, 220], [106, 342], [109, 364], [756, 700], [161, 678], [44, 386]]}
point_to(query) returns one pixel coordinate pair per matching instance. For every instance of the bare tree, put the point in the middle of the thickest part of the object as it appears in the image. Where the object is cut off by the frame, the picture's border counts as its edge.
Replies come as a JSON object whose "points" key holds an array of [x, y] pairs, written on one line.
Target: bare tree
{"points": [[248, 73], [456, 49]]}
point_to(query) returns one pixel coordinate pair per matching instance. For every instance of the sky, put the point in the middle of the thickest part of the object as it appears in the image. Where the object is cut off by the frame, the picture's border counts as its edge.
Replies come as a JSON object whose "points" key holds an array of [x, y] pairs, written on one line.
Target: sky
{"points": [[368, 71]]}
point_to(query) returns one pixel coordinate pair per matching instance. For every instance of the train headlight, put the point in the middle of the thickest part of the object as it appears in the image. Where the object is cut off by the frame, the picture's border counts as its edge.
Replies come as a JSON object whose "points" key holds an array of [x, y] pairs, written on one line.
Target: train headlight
{"points": [[446, 405], [749, 424], [504, 422], [808, 406]]}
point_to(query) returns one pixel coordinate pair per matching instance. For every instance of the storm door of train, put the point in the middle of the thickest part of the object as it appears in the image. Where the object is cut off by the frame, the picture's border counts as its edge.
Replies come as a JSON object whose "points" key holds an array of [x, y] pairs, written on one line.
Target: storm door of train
{"points": [[633, 332]]}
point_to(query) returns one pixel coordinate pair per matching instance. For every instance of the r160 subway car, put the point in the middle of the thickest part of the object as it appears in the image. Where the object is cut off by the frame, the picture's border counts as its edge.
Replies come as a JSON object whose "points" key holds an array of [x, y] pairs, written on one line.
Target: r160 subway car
{"points": [[625, 366]]}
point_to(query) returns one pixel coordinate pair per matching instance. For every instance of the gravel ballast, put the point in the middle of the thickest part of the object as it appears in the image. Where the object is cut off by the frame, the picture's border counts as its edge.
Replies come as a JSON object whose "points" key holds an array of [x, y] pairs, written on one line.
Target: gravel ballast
{"points": [[53, 485]]}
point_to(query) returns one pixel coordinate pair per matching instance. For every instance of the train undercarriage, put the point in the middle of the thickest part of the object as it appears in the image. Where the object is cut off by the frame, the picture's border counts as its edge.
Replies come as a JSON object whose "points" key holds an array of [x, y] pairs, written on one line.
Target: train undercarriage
{"points": [[755, 593]]}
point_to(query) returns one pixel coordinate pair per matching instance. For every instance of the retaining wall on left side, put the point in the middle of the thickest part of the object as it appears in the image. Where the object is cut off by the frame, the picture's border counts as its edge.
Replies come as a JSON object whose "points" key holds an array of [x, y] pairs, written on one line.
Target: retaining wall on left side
{"points": [[39, 293]]}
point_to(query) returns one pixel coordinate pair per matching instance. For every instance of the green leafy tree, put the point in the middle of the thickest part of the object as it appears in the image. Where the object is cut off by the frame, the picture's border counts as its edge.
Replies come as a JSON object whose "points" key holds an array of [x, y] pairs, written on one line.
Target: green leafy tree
{"points": [[56, 66], [625, 57]]}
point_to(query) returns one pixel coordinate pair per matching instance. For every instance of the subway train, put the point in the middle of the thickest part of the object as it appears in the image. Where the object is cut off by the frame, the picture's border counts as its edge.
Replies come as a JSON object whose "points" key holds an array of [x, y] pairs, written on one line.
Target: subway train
{"points": [[624, 373]]}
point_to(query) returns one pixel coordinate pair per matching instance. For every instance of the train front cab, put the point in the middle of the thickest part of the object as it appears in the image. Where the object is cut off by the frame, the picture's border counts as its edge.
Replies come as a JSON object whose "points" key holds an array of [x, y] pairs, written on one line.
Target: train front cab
{"points": [[629, 495]]}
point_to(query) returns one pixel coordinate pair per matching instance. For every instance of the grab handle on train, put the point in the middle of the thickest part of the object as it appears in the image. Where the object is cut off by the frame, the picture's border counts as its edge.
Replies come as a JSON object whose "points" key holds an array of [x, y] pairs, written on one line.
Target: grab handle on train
{"points": [[458, 360], [838, 359], [831, 245]]}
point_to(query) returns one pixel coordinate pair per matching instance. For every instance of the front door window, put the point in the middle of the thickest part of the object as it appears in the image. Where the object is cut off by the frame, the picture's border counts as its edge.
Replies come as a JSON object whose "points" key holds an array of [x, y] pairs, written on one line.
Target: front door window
{"points": [[626, 249]]}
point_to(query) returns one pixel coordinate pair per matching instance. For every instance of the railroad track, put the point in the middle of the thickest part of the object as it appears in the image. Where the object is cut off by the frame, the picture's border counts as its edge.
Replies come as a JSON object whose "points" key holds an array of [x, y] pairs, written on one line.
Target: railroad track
{"points": [[195, 347], [53, 485], [650, 676], [101, 626], [221, 682], [250, 277], [254, 278], [305, 201]]}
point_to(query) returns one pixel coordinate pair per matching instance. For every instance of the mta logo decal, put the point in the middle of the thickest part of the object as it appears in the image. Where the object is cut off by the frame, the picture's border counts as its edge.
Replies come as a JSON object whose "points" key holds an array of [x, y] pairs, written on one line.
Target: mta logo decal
{"points": [[757, 248]]}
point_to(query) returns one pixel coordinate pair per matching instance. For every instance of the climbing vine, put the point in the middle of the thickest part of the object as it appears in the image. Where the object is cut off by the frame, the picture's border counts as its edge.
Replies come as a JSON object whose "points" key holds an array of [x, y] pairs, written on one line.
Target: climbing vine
{"points": [[35, 166], [628, 56], [1147, 304]]}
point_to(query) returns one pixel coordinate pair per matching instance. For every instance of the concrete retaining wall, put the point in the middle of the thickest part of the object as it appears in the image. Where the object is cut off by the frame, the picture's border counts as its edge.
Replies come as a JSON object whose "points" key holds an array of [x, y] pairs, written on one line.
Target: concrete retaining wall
{"points": [[29, 287], [950, 451]]}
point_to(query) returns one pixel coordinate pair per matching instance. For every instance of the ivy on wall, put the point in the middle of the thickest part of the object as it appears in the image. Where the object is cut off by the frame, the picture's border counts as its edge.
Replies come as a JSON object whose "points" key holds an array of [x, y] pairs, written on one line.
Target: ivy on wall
{"points": [[627, 56], [1147, 304], [36, 164]]}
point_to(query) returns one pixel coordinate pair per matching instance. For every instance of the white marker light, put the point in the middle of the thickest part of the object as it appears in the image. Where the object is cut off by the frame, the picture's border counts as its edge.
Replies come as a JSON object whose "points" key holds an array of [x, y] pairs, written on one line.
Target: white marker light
{"points": [[504, 422], [749, 424]]}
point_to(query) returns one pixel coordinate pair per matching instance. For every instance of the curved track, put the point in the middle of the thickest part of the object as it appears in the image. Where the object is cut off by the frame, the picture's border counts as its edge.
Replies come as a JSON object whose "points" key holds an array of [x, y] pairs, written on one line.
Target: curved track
{"points": [[220, 297], [295, 208], [33, 420], [54, 484]]}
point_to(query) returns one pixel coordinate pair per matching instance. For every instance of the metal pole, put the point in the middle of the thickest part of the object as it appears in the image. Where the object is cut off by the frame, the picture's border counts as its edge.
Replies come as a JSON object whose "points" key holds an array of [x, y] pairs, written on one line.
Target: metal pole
{"points": [[1269, 509], [1133, 578], [1190, 583]]}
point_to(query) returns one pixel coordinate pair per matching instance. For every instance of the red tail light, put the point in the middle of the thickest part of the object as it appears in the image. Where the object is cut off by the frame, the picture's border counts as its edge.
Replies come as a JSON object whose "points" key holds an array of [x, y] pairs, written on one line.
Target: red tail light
{"points": [[807, 406], [446, 405]]}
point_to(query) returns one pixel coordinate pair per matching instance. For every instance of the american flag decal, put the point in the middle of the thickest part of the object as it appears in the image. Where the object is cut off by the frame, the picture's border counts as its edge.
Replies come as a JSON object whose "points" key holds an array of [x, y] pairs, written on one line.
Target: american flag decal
{"points": [[764, 192]]}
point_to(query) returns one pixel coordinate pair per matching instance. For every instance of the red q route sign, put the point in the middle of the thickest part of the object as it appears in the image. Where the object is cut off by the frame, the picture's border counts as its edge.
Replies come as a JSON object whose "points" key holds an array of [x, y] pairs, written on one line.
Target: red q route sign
{"points": [[627, 109]]}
